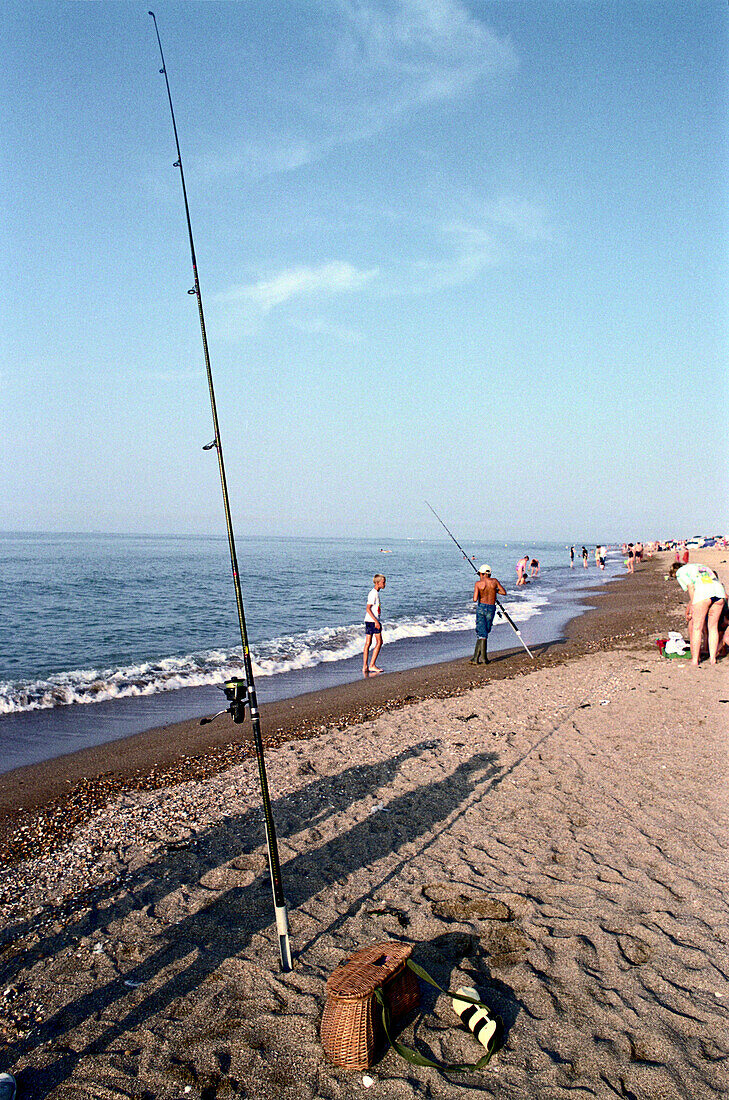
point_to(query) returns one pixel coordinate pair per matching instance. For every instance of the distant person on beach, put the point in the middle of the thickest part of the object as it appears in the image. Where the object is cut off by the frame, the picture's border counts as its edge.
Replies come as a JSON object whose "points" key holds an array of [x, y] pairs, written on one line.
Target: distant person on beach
{"points": [[535, 567], [373, 627], [485, 592], [585, 556], [521, 567], [600, 556], [630, 560], [707, 598], [572, 557]]}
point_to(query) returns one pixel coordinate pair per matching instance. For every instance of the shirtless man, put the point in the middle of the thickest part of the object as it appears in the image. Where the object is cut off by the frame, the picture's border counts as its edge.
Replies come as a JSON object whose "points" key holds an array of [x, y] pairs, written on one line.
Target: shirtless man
{"points": [[485, 592]]}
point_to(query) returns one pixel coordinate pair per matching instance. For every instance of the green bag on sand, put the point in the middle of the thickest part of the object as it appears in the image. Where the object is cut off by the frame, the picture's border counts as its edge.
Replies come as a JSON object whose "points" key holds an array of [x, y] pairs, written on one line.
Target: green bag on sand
{"points": [[485, 1025]]}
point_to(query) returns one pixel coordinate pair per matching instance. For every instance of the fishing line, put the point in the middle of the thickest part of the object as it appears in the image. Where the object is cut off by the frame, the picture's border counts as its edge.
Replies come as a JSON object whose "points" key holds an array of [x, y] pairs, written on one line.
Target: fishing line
{"points": [[241, 693], [500, 606]]}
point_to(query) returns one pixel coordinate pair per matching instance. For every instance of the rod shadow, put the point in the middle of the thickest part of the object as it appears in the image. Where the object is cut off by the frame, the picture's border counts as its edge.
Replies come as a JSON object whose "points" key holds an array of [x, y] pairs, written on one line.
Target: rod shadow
{"points": [[224, 928], [190, 860]]}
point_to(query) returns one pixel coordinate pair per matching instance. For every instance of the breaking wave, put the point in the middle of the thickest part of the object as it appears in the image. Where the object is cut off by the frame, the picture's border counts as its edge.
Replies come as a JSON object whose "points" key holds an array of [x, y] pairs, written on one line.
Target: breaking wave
{"points": [[270, 658]]}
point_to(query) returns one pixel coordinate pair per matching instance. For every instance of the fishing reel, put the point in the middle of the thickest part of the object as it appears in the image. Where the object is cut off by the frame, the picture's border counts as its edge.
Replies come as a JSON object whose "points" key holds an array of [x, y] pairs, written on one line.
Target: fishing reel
{"points": [[236, 692]]}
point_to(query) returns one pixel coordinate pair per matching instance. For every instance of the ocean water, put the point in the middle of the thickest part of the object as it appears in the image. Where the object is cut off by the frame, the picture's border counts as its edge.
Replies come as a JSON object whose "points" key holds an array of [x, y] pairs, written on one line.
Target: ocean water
{"points": [[88, 621]]}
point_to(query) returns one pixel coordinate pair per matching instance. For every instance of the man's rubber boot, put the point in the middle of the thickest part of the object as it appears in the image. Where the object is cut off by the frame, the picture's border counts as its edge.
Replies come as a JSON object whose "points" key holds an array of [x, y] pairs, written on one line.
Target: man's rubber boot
{"points": [[476, 659], [484, 650]]}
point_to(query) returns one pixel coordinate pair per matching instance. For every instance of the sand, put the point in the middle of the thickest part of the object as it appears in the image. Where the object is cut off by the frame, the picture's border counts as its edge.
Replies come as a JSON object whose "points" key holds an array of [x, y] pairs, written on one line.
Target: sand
{"points": [[556, 836]]}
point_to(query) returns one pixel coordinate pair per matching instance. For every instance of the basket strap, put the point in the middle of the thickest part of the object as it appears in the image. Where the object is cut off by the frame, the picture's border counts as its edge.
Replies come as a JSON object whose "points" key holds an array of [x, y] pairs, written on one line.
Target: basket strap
{"points": [[414, 1056]]}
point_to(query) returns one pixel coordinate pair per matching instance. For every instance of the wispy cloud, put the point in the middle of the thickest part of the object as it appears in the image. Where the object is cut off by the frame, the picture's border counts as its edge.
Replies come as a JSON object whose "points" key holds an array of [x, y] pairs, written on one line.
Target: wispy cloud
{"points": [[176, 376], [382, 59], [277, 154], [445, 252], [461, 248], [320, 326], [299, 282], [527, 220], [406, 53]]}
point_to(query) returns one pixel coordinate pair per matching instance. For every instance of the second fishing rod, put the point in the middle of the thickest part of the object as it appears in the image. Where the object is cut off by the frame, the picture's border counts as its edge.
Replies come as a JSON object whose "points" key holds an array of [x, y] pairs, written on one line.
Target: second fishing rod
{"points": [[240, 693], [500, 606]]}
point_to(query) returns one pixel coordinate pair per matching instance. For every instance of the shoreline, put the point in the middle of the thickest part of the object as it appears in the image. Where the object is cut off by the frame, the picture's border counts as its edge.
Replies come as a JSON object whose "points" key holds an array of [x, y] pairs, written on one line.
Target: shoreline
{"points": [[41, 804]]}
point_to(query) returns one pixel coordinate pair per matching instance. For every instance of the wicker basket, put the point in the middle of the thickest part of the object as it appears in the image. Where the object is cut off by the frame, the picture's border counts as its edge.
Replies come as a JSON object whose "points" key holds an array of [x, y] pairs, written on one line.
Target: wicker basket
{"points": [[351, 1027]]}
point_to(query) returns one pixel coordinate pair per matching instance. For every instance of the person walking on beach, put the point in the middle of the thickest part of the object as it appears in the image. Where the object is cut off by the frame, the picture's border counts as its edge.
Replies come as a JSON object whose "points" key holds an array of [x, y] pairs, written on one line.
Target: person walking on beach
{"points": [[373, 627], [707, 598], [485, 591]]}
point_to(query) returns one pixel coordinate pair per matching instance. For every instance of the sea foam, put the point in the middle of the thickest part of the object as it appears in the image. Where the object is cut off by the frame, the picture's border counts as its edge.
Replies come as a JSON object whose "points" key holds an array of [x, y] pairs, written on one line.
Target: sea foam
{"points": [[298, 651]]}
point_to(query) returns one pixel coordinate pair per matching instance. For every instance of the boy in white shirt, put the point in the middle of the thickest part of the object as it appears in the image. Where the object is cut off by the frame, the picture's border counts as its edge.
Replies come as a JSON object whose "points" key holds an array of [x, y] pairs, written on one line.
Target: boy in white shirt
{"points": [[373, 626]]}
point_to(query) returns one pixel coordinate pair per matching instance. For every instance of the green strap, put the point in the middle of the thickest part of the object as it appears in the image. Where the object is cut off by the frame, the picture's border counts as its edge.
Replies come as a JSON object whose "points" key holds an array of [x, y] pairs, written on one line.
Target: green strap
{"points": [[417, 1059]]}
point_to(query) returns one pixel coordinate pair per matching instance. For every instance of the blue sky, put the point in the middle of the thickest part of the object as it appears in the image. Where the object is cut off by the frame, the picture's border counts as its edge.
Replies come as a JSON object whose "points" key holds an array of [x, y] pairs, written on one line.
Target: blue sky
{"points": [[455, 250]]}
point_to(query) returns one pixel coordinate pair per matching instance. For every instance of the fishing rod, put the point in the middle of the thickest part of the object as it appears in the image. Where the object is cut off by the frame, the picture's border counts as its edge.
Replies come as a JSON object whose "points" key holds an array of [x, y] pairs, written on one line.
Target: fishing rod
{"points": [[500, 606], [239, 692]]}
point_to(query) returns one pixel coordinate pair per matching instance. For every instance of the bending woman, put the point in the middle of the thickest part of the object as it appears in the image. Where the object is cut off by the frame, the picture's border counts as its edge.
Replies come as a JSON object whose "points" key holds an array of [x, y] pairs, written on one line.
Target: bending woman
{"points": [[706, 601]]}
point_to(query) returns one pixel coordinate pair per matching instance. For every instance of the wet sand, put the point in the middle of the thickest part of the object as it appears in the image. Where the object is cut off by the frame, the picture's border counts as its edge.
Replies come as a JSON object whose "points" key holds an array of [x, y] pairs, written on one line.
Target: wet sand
{"points": [[555, 835]]}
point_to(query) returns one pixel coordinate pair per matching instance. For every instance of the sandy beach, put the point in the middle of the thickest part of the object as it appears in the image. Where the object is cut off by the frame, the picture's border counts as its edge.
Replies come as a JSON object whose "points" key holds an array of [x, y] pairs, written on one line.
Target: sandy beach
{"points": [[553, 832]]}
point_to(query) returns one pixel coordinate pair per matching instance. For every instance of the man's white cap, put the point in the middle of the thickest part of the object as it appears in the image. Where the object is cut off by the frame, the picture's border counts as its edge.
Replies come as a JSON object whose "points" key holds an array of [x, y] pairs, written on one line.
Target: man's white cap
{"points": [[485, 569]]}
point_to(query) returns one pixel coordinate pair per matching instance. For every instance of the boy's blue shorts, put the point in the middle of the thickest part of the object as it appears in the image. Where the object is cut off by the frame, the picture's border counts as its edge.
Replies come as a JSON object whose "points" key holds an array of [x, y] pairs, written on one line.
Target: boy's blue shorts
{"points": [[372, 628]]}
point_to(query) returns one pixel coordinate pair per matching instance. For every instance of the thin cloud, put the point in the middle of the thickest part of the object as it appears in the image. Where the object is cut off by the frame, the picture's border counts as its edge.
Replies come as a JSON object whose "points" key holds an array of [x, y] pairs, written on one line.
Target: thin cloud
{"points": [[319, 326], [413, 52], [258, 159], [525, 219], [300, 282], [176, 376], [499, 232], [385, 58]]}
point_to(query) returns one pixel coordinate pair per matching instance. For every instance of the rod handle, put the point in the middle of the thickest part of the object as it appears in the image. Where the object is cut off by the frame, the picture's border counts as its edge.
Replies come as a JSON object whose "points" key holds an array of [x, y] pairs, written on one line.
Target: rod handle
{"points": [[282, 928]]}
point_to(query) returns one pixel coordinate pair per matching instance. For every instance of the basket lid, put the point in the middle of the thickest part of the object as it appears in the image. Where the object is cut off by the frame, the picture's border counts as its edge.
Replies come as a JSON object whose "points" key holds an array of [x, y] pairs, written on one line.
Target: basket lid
{"points": [[368, 968]]}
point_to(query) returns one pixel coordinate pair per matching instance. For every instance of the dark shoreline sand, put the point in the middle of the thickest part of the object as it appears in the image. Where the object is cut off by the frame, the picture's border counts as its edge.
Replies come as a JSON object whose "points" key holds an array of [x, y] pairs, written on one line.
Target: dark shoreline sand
{"points": [[41, 804]]}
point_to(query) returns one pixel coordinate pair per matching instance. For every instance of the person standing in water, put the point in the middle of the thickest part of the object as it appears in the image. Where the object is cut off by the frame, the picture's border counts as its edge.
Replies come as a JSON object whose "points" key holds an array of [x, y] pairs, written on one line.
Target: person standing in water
{"points": [[585, 556], [572, 557], [373, 627], [521, 568], [485, 591]]}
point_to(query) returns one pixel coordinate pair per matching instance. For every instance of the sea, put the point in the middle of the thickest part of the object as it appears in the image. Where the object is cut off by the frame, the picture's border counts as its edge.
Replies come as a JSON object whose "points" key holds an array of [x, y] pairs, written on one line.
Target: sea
{"points": [[103, 636]]}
